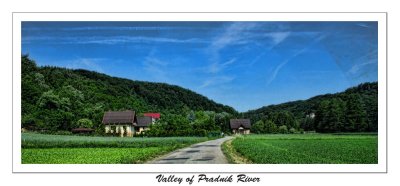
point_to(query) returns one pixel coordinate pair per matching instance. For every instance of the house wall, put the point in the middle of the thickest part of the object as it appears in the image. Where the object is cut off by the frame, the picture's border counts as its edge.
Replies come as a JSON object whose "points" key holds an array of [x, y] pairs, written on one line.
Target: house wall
{"points": [[245, 131], [119, 129], [141, 129]]}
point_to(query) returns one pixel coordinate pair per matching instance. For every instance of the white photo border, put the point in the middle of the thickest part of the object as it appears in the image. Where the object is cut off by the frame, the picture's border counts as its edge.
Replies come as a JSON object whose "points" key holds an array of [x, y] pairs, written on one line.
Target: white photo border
{"points": [[380, 17]]}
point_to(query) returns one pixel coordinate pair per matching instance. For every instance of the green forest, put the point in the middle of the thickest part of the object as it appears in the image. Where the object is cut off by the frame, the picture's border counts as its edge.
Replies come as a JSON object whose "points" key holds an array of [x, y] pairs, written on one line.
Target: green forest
{"points": [[58, 99], [354, 110]]}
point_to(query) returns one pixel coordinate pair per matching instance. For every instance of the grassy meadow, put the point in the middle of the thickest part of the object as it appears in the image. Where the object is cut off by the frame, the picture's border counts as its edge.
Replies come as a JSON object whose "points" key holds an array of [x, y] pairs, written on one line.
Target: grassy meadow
{"points": [[306, 148], [60, 149]]}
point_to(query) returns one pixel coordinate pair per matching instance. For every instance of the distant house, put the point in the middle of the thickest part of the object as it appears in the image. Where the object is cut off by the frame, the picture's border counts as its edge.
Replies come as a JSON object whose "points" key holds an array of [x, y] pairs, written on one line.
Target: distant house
{"points": [[120, 122], [240, 126], [143, 123], [125, 123], [311, 115], [154, 116]]}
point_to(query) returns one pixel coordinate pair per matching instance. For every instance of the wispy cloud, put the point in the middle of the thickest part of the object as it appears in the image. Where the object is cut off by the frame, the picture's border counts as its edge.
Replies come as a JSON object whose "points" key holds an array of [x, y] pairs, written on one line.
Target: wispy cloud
{"points": [[245, 33], [107, 28], [111, 40], [277, 37], [217, 80], [363, 61], [157, 69], [85, 63], [297, 53], [232, 34], [216, 67], [356, 68], [134, 39], [362, 25]]}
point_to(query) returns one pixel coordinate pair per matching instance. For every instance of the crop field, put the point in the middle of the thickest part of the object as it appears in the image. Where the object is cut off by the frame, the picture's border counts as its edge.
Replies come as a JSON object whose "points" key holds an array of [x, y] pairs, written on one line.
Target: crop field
{"points": [[308, 148], [60, 149]]}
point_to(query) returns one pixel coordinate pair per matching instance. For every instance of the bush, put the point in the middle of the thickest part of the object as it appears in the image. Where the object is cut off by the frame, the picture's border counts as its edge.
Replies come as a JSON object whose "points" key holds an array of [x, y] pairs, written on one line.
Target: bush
{"points": [[283, 129], [85, 123], [292, 130], [214, 134]]}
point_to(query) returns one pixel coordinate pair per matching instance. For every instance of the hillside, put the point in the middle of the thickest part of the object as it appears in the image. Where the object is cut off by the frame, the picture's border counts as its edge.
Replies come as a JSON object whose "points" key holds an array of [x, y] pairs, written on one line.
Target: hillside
{"points": [[60, 97], [357, 104], [55, 98]]}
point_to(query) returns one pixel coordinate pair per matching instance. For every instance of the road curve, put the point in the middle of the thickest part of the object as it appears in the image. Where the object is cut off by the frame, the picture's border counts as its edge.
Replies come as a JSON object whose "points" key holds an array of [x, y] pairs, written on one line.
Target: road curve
{"points": [[208, 152]]}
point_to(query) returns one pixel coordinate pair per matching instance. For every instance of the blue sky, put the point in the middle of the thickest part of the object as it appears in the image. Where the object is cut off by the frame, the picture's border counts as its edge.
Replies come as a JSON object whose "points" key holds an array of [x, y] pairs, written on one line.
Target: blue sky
{"points": [[245, 65]]}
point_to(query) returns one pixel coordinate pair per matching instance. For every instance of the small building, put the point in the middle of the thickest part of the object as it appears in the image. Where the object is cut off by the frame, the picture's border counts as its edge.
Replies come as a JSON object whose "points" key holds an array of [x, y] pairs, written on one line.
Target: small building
{"points": [[82, 130], [143, 123], [154, 116], [120, 122], [240, 126], [311, 115]]}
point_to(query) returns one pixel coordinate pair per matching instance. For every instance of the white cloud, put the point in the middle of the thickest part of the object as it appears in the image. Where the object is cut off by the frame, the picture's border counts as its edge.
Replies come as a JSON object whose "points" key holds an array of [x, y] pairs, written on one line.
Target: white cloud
{"points": [[362, 25], [277, 37], [156, 68], [283, 63], [86, 63], [111, 40], [134, 39], [243, 33], [233, 34], [356, 68], [216, 67], [363, 61], [217, 80]]}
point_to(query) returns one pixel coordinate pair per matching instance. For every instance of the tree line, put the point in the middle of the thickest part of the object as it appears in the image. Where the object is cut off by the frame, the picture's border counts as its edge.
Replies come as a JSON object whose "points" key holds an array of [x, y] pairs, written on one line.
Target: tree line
{"points": [[354, 110], [193, 123], [60, 99]]}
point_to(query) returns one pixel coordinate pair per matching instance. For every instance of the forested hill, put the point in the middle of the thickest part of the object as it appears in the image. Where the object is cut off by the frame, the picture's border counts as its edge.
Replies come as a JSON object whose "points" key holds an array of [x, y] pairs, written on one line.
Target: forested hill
{"points": [[65, 95], [56, 98], [354, 110]]}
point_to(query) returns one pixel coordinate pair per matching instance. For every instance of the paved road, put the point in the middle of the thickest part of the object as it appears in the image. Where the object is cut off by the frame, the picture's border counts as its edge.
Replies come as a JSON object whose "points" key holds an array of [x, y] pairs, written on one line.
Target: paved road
{"points": [[208, 152]]}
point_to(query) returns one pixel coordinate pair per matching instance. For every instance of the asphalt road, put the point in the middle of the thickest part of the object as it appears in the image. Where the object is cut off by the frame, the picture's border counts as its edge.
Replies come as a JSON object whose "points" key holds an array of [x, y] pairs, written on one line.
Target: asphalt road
{"points": [[208, 152]]}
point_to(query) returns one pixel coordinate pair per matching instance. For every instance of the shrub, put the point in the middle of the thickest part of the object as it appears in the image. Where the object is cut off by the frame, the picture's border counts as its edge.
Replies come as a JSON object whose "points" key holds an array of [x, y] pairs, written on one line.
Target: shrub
{"points": [[292, 130], [283, 129], [213, 134], [85, 123]]}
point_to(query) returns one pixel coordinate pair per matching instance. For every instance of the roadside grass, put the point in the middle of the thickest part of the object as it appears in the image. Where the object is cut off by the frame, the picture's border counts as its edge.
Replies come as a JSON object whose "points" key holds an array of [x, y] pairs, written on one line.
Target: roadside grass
{"points": [[232, 155]]}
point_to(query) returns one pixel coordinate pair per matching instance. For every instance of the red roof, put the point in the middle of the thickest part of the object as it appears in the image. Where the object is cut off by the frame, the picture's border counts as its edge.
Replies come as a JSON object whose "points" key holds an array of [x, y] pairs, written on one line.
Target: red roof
{"points": [[153, 115]]}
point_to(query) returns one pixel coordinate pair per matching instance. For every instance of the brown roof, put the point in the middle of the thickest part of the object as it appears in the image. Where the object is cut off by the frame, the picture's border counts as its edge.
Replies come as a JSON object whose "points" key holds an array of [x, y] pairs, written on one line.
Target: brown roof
{"points": [[144, 121], [76, 130], [236, 123], [120, 117]]}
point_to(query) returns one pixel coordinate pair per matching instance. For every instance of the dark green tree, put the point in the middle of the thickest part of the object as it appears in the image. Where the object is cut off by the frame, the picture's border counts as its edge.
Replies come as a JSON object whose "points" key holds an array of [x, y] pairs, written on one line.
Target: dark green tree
{"points": [[258, 127], [356, 116], [270, 127]]}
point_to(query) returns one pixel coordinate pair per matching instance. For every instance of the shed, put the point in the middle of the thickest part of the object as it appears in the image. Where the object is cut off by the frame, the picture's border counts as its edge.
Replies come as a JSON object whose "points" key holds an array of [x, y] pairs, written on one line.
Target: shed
{"points": [[143, 123]]}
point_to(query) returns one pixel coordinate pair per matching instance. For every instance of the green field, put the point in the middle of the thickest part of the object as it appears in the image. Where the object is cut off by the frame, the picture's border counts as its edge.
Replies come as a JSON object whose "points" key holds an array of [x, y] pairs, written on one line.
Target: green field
{"points": [[60, 149], [308, 148]]}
